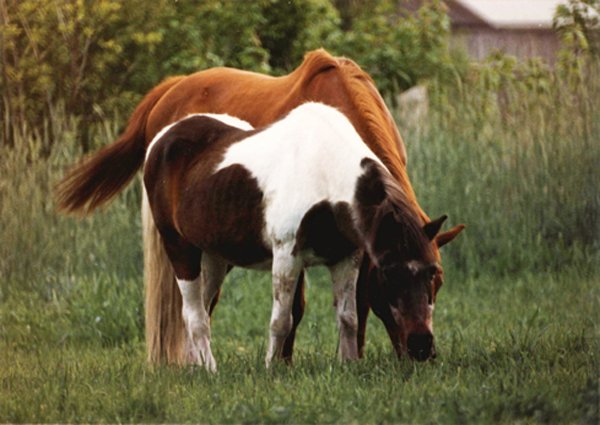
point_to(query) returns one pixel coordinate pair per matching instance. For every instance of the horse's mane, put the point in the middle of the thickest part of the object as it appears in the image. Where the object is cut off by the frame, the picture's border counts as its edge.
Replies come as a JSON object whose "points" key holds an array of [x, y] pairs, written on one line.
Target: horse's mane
{"points": [[386, 141], [315, 62], [373, 109]]}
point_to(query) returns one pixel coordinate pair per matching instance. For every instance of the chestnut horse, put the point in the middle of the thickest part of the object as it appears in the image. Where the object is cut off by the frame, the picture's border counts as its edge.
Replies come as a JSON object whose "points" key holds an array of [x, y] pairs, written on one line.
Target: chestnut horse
{"points": [[222, 194], [260, 100]]}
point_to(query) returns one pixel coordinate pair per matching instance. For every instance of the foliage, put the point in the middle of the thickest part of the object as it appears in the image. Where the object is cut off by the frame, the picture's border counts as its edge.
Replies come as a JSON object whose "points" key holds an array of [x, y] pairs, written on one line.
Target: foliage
{"points": [[95, 58], [578, 25], [399, 50], [290, 29], [63, 51]]}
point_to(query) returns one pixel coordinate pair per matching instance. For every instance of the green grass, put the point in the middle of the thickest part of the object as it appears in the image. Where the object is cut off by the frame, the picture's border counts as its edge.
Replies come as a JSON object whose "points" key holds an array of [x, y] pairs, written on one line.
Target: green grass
{"points": [[516, 323], [510, 350]]}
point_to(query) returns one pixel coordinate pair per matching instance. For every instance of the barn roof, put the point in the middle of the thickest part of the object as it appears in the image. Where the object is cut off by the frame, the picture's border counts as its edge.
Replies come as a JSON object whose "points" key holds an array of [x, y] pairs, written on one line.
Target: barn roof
{"points": [[515, 14]]}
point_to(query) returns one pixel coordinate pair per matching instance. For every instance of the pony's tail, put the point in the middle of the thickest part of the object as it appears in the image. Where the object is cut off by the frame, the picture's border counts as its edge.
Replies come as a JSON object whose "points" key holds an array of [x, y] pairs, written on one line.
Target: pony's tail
{"points": [[165, 330], [100, 177]]}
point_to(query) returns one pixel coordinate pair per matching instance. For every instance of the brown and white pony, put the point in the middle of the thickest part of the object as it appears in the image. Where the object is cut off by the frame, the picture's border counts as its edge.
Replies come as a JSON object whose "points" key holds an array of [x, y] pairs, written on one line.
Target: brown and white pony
{"points": [[304, 191], [260, 100]]}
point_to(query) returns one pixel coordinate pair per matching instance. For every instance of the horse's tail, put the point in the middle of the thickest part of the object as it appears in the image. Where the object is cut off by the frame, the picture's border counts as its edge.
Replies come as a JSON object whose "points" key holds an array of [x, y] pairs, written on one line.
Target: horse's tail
{"points": [[165, 330], [100, 177]]}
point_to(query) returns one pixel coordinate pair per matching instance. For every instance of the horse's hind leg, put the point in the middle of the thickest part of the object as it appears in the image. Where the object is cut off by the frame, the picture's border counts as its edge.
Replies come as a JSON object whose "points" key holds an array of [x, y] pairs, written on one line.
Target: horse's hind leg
{"points": [[286, 269], [344, 275]]}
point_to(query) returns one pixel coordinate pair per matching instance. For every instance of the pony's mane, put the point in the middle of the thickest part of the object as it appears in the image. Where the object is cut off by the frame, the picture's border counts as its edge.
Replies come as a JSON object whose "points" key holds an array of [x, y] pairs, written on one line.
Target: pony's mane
{"points": [[409, 227], [386, 141]]}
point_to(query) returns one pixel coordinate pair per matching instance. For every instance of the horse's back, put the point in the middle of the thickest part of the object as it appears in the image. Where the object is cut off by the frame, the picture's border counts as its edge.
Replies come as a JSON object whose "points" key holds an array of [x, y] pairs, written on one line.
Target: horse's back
{"points": [[222, 91]]}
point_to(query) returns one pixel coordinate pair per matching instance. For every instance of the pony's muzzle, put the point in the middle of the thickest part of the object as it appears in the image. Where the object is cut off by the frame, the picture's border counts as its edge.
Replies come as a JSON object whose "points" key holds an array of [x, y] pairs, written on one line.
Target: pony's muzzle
{"points": [[420, 346]]}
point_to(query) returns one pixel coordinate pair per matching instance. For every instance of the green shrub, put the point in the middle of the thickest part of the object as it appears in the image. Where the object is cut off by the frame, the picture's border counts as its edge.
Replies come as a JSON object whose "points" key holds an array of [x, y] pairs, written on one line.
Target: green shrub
{"points": [[99, 57]]}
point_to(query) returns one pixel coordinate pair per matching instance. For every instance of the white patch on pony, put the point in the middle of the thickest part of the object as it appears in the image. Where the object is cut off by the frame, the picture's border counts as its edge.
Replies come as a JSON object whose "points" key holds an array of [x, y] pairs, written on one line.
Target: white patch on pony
{"points": [[229, 120], [285, 270], [311, 155], [197, 323], [414, 266], [224, 118]]}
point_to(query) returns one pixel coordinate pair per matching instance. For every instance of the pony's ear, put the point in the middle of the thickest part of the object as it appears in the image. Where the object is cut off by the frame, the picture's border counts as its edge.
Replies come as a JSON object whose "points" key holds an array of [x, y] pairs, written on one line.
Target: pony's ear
{"points": [[443, 238], [432, 228]]}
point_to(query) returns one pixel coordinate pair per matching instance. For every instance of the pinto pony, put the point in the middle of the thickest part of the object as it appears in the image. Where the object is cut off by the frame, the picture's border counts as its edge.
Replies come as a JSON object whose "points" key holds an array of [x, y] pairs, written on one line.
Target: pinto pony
{"points": [[259, 100], [304, 191]]}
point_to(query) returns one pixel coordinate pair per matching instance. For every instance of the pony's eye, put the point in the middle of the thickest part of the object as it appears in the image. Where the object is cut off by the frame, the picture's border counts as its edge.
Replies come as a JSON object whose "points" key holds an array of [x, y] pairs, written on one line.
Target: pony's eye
{"points": [[432, 271], [392, 273]]}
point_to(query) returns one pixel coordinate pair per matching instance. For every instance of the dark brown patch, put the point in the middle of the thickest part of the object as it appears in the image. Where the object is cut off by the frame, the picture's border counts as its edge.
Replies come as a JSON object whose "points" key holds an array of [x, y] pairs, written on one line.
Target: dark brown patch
{"points": [[369, 194], [184, 256], [197, 210], [224, 215], [328, 231], [370, 190]]}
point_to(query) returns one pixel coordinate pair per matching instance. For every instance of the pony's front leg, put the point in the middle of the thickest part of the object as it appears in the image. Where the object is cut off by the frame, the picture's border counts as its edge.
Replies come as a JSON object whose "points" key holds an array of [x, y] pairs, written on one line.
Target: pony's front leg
{"points": [[344, 276], [297, 313], [198, 296], [286, 269]]}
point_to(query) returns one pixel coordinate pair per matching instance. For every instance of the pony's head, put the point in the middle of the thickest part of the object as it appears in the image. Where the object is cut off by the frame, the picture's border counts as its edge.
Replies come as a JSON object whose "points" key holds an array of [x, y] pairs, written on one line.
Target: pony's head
{"points": [[409, 277], [404, 252]]}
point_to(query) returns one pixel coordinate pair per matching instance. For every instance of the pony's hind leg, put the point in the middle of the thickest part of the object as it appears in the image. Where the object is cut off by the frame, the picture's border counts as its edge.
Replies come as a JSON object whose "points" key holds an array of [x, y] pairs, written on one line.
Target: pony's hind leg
{"points": [[286, 269], [344, 276], [198, 296], [213, 271]]}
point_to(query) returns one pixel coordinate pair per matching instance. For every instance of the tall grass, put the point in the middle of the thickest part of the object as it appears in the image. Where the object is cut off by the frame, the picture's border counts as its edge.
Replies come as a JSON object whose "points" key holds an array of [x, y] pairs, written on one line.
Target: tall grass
{"points": [[90, 266], [518, 160]]}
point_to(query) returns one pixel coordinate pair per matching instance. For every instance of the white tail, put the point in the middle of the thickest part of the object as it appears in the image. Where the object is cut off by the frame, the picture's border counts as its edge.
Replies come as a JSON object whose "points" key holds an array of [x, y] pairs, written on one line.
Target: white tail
{"points": [[165, 330]]}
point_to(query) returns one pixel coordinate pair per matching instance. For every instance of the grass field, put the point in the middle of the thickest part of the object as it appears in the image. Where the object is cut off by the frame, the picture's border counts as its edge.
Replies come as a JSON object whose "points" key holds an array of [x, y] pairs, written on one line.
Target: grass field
{"points": [[510, 350], [516, 322]]}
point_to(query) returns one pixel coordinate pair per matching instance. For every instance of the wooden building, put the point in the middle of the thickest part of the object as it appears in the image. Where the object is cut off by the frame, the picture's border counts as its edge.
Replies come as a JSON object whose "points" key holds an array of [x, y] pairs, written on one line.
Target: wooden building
{"points": [[522, 28]]}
